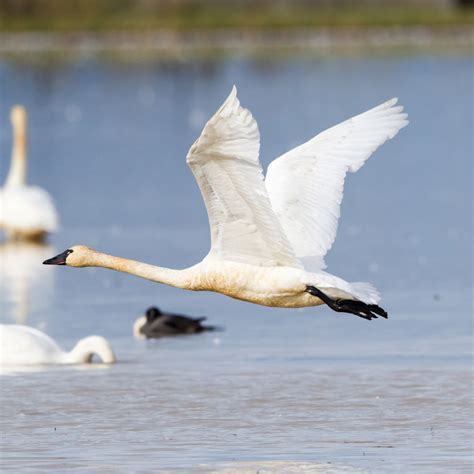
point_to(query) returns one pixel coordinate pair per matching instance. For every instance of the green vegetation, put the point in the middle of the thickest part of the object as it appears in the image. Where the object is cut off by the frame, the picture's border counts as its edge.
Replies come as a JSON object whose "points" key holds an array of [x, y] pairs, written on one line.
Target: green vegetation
{"points": [[103, 15]]}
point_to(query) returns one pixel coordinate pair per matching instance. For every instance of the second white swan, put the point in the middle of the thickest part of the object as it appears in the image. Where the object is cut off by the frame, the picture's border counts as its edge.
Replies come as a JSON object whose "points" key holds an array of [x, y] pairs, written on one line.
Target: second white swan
{"points": [[26, 212], [269, 236], [24, 345]]}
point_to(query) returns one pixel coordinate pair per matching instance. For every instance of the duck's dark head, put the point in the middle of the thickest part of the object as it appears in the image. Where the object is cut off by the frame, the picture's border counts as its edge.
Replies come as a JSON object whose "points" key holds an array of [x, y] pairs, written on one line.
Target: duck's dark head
{"points": [[152, 314]]}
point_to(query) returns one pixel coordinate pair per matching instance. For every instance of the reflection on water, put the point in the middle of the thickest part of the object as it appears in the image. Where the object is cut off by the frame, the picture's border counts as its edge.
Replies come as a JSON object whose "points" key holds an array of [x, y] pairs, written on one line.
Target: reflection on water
{"points": [[24, 281], [277, 467], [29, 369], [109, 140]]}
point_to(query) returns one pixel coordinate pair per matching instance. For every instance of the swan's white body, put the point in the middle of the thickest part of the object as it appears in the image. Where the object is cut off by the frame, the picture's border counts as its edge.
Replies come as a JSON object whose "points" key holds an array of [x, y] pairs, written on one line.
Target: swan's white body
{"points": [[26, 212], [24, 345], [268, 236]]}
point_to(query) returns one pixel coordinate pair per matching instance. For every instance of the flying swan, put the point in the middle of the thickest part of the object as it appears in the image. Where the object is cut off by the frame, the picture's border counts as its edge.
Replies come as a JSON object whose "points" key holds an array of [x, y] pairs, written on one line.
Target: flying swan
{"points": [[26, 212], [269, 236], [24, 345]]}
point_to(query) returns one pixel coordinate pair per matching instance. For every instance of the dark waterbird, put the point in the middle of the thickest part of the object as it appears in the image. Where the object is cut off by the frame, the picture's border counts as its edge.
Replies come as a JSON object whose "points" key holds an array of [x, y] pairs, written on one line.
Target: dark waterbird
{"points": [[156, 324]]}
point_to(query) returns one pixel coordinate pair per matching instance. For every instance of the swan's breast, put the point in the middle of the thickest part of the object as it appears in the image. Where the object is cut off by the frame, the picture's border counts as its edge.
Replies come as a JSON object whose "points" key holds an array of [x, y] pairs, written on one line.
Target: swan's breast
{"points": [[268, 286]]}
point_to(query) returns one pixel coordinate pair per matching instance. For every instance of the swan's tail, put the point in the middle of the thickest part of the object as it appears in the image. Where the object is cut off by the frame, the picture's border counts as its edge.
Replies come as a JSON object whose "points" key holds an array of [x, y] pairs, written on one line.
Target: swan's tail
{"points": [[355, 306], [365, 292]]}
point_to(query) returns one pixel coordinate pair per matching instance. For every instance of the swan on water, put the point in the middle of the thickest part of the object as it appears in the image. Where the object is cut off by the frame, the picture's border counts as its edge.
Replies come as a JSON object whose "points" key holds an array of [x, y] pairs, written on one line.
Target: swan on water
{"points": [[24, 345], [156, 323], [26, 212], [269, 236]]}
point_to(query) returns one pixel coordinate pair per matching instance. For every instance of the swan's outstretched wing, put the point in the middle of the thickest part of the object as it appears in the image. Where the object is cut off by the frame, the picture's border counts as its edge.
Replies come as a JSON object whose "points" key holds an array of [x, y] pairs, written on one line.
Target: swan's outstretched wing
{"points": [[306, 184], [224, 160]]}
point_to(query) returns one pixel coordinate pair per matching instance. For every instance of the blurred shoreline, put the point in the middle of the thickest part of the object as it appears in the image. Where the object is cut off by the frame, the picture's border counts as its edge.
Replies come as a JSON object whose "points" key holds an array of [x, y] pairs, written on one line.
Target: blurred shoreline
{"points": [[321, 39]]}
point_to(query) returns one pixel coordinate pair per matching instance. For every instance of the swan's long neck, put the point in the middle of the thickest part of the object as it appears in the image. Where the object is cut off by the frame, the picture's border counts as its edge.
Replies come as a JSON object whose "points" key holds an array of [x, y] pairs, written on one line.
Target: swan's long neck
{"points": [[17, 173], [168, 276], [86, 348]]}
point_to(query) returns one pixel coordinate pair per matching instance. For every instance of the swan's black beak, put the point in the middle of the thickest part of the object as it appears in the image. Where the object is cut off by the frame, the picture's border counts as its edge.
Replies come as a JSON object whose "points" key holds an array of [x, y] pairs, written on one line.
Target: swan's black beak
{"points": [[59, 259]]}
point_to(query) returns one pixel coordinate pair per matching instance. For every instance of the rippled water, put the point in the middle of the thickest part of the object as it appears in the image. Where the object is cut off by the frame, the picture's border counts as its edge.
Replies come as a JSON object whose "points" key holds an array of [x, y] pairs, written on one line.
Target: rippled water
{"points": [[278, 390]]}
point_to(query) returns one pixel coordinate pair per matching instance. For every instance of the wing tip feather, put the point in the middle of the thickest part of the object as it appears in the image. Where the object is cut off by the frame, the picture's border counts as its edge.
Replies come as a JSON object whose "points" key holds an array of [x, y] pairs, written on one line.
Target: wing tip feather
{"points": [[230, 123], [232, 95], [391, 102], [230, 103], [366, 292]]}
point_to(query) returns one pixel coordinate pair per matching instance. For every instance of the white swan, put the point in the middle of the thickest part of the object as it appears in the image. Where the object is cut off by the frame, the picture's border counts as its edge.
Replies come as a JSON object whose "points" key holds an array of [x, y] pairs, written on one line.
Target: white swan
{"points": [[269, 237], [26, 212], [24, 345]]}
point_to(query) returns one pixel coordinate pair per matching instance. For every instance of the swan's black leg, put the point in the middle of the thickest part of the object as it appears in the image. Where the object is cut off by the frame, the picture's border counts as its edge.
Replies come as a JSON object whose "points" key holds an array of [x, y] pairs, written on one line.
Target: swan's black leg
{"points": [[363, 310]]}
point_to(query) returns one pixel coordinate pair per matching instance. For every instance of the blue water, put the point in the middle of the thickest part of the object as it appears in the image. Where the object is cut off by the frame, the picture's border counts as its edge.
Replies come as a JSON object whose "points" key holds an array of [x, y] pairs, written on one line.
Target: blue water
{"points": [[108, 138]]}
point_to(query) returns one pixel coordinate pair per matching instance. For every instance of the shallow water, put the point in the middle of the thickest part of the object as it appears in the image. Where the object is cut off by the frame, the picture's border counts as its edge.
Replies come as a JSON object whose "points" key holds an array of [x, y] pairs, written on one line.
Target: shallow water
{"points": [[278, 390]]}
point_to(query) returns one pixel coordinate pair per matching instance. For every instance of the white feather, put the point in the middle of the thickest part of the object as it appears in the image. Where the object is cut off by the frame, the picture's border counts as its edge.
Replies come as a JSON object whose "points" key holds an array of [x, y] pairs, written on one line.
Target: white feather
{"points": [[365, 292], [26, 208], [224, 160], [305, 185]]}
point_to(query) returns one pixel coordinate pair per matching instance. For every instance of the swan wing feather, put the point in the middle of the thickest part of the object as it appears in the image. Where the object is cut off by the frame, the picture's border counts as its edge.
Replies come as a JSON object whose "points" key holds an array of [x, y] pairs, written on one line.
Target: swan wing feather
{"points": [[224, 161], [305, 185]]}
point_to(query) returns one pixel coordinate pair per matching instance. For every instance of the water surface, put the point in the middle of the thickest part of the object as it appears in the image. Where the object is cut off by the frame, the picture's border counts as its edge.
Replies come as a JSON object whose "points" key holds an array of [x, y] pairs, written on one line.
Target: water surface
{"points": [[108, 139]]}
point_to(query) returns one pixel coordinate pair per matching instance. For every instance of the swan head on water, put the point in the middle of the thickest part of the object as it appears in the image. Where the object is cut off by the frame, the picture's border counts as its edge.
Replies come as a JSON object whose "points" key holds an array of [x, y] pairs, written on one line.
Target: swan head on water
{"points": [[18, 116], [86, 348]]}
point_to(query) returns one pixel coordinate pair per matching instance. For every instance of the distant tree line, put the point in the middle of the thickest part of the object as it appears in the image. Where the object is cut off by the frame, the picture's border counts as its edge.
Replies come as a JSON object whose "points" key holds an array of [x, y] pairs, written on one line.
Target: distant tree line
{"points": [[142, 14], [110, 7]]}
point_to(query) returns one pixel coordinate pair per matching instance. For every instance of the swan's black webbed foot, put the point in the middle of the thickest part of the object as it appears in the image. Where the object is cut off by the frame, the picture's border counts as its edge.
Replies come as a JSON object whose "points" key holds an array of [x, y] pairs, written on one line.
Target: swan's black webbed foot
{"points": [[366, 311], [363, 310]]}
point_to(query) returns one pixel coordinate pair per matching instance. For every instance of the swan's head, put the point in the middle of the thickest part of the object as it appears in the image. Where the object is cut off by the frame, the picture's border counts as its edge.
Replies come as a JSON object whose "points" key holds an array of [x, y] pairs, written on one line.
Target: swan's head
{"points": [[75, 256], [18, 116], [88, 347]]}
